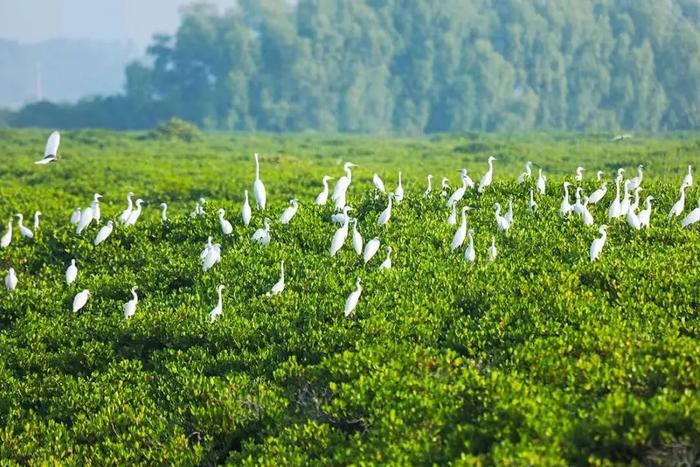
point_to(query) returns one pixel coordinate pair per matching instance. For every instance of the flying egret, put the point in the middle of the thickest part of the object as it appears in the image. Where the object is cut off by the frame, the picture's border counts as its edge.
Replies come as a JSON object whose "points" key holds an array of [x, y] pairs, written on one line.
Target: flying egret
{"points": [[579, 173], [461, 232], [164, 212], [75, 217], [258, 186], [532, 205], [509, 213], [371, 249], [386, 264], [219, 308], [80, 300], [356, 238], [7, 238], [444, 186], [37, 214], [95, 206], [527, 174], [104, 232], [598, 194], [124, 216], [322, 197], [353, 298], [692, 217], [51, 149], [339, 237], [11, 279], [452, 218], [470, 253], [279, 285], [86, 218], [398, 193], [597, 244], [599, 175], [343, 216], [130, 306], [262, 235], [212, 257], [688, 179], [502, 222], [24, 231], [378, 183], [645, 214], [492, 249], [246, 212], [488, 176], [620, 138], [614, 209], [226, 226], [386, 213], [678, 208], [341, 186], [71, 272], [541, 183], [429, 188], [636, 182], [289, 212]]}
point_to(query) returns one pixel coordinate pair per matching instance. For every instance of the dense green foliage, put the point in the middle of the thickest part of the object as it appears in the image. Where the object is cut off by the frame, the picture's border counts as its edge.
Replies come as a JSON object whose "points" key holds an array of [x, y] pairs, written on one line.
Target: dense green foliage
{"points": [[539, 357], [411, 67]]}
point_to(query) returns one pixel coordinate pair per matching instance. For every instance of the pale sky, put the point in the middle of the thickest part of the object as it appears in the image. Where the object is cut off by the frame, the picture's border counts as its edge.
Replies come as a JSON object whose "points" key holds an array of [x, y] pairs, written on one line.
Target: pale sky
{"points": [[125, 21]]}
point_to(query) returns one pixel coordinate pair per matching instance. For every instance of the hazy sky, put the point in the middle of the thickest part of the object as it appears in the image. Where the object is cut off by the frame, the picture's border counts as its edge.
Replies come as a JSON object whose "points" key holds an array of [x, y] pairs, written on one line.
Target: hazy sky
{"points": [[107, 20]]}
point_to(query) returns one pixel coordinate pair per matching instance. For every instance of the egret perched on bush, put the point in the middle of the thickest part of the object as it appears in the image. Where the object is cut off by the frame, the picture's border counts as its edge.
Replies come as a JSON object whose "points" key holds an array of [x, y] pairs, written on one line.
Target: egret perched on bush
{"points": [[614, 209], [625, 203], [164, 212], [386, 213], [429, 187], [207, 245], [398, 193], [95, 207], [226, 226], [598, 243], [219, 308], [579, 174], [565, 207], [198, 208], [356, 238], [279, 285], [541, 183], [322, 197], [353, 298], [585, 213], [636, 182], [645, 214], [246, 212], [130, 306], [386, 264], [488, 176], [470, 253], [509, 213], [11, 280], [104, 232], [75, 217], [692, 217], [340, 190], [492, 249], [452, 218], [258, 186], [458, 194], [71, 272], [289, 212], [688, 179], [525, 175], [37, 214], [124, 216], [502, 222], [679, 206], [80, 300], [341, 217], [632, 219], [136, 213], [371, 249], [212, 257], [461, 232], [599, 175], [598, 194], [86, 217], [51, 149], [444, 186], [378, 183], [531, 204], [339, 237], [7, 238], [23, 230], [262, 235]]}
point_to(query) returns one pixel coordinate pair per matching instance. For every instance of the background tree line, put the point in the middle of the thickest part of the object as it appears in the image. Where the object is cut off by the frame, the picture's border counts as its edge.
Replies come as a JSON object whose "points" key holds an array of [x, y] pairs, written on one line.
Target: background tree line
{"points": [[411, 67]]}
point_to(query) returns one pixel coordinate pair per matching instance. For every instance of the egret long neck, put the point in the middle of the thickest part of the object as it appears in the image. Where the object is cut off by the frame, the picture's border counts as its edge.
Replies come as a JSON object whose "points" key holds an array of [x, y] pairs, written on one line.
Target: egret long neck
{"points": [[257, 168]]}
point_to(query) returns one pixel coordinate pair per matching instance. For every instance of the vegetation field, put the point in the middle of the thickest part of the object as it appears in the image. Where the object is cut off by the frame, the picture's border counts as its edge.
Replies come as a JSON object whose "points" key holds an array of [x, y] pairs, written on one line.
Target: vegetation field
{"points": [[537, 357]]}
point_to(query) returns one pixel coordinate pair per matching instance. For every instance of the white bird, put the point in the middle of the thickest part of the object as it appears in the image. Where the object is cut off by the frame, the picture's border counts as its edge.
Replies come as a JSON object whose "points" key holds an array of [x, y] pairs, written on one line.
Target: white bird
{"points": [[322, 197], [678, 208], [341, 186], [452, 218], [509, 213], [353, 298], [492, 249], [226, 226], [279, 285], [636, 182], [619, 138], [289, 212], [645, 214], [461, 232], [614, 209], [578, 207], [51, 149], [470, 253], [386, 264], [356, 238], [370, 249], [198, 208], [692, 217], [95, 206], [219, 308], [599, 194], [259, 187], [458, 194], [104, 232], [632, 219], [502, 222], [71, 272], [164, 212], [124, 216], [532, 205], [37, 214], [599, 175], [625, 203], [130, 306], [488, 176], [398, 193], [7, 238], [688, 179], [444, 186], [246, 212], [75, 217], [585, 213], [541, 183], [386, 213], [429, 188], [527, 174], [378, 183], [24, 231], [212, 257], [341, 217], [86, 218], [579, 174], [11, 279], [339, 237], [207, 245], [597, 244], [262, 235], [80, 300], [136, 213]]}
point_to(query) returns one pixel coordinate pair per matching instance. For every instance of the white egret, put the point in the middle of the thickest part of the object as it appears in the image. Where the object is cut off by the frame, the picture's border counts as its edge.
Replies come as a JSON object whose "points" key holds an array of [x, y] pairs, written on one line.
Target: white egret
{"points": [[212, 257], [599, 175], [341, 217], [370, 249], [322, 197], [585, 213], [7, 238], [692, 217], [688, 179], [37, 214], [356, 238], [429, 188], [636, 182], [86, 218], [614, 209], [136, 213], [207, 245], [226, 226], [386, 264], [452, 218], [679, 206], [279, 285], [130, 306], [541, 183], [262, 235], [445, 185], [645, 214], [625, 203], [599, 194], [164, 212], [503, 224], [246, 212], [461, 232], [11, 280], [488, 176], [104, 232], [493, 252], [632, 218], [258, 186], [95, 206], [579, 173], [378, 183], [198, 208], [75, 217], [341, 186], [597, 244], [470, 253], [353, 298], [565, 208], [80, 300], [620, 138], [509, 213], [458, 194], [578, 207], [23, 230], [339, 237], [71, 272], [289, 212], [386, 213], [527, 174], [398, 193], [532, 205], [219, 308], [51, 149], [124, 216]]}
